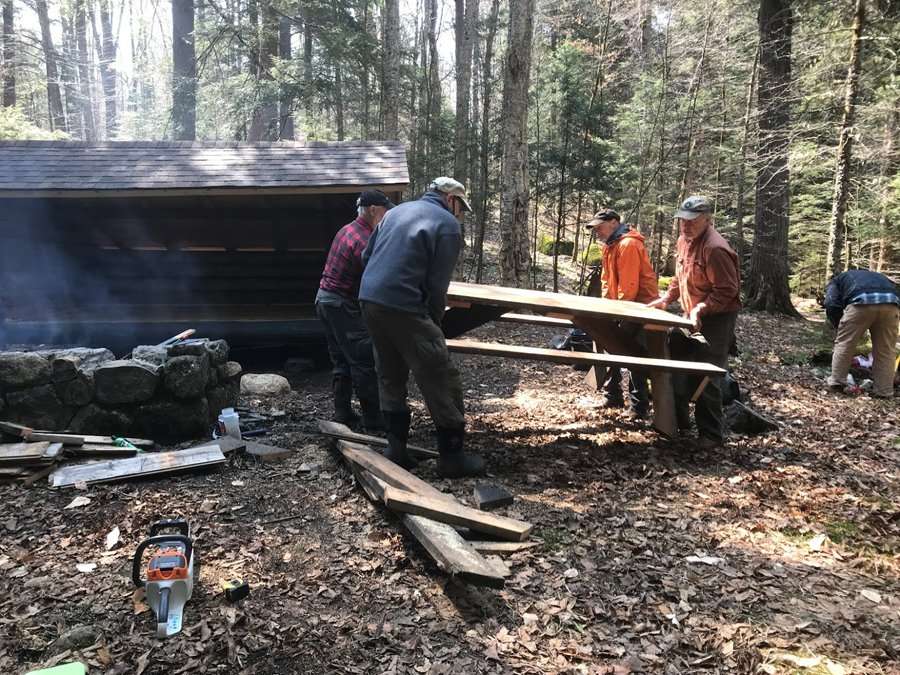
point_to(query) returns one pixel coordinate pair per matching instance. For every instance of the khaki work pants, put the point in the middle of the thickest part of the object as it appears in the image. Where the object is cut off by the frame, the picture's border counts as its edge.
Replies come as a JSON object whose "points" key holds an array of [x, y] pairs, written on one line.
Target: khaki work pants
{"points": [[407, 342], [881, 321]]}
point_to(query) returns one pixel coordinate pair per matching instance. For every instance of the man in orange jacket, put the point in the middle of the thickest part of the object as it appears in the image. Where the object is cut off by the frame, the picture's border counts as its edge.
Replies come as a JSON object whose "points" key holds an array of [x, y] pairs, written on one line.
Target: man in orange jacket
{"points": [[627, 275]]}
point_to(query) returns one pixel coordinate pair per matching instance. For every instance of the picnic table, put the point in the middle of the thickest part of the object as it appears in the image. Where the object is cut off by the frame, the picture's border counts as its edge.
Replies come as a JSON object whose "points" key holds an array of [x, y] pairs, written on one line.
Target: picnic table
{"points": [[612, 324]]}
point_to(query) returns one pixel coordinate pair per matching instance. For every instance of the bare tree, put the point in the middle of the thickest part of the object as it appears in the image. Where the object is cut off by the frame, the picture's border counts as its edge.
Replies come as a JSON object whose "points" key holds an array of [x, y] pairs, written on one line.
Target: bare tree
{"points": [[9, 56], [107, 49], [184, 72], [390, 72], [767, 287], [54, 100], [264, 126], [514, 256], [86, 100], [742, 167], [286, 102], [837, 234], [466, 15]]}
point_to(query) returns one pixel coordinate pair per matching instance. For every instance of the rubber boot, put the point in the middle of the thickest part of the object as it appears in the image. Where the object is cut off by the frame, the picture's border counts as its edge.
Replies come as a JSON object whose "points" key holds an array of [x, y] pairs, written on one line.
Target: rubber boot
{"points": [[342, 388], [453, 462], [372, 420], [397, 426]]}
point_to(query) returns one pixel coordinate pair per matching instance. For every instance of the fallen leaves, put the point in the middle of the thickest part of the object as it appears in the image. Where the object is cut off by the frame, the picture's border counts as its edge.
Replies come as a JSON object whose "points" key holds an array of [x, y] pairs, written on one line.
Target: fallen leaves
{"points": [[78, 501]]}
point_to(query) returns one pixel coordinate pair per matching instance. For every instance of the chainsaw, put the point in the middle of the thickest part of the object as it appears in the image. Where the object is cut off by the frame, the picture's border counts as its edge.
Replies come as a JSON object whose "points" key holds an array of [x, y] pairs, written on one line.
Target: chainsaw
{"points": [[169, 578]]}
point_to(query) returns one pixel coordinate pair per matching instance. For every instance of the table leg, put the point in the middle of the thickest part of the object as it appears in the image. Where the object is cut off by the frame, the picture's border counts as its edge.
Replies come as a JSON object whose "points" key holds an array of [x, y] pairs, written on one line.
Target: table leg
{"points": [[661, 384]]}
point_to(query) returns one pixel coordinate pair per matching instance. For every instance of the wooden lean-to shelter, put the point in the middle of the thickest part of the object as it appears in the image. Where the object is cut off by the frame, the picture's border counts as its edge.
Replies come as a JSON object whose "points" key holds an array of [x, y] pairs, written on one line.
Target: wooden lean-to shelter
{"points": [[134, 241]]}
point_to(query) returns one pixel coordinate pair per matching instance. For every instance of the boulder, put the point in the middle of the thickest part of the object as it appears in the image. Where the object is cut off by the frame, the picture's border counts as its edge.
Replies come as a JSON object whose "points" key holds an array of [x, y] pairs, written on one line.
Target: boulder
{"points": [[229, 371], [174, 420], [192, 348], [20, 370], [39, 408], [124, 382], [78, 391], [219, 398], [218, 352], [92, 419], [151, 354], [88, 357], [79, 637], [253, 384], [63, 368], [742, 419], [186, 376]]}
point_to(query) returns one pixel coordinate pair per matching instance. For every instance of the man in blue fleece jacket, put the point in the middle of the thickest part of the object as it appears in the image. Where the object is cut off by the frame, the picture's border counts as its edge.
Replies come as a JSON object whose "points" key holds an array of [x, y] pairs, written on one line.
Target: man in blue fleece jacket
{"points": [[409, 262]]}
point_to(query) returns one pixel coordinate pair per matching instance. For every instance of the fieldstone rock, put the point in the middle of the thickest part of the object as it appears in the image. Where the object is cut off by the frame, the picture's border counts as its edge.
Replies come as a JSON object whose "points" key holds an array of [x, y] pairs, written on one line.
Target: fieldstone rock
{"points": [[78, 637], [88, 357], [63, 369], [124, 382], [39, 408], [186, 376], [254, 384], [213, 380], [2, 404], [229, 371], [192, 348], [219, 398], [174, 420], [152, 354], [744, 420], [218, 352], [20, 370], [92, 419], [78, 391]]}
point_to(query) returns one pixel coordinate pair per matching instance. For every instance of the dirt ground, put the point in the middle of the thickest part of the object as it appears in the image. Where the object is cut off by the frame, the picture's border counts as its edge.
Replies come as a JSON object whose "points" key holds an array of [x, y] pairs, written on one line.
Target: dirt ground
{"points": [[777, 553]]}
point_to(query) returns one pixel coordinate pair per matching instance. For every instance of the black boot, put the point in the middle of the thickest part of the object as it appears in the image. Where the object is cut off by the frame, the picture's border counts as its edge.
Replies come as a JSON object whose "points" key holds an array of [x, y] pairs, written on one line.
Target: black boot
{"points": [[342, 388], [372, 420], [453, 462], [397, 425]]}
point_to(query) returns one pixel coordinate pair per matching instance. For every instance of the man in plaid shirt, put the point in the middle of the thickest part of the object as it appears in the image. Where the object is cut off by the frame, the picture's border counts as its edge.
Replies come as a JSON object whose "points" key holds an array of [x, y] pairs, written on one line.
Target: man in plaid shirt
{"points": [[337, 306]]}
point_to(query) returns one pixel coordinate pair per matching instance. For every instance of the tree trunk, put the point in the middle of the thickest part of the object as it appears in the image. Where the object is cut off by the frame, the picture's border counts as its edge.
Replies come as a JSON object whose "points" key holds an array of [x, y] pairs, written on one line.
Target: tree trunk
{"points": [[67, 65], [887, 167], [107, 50], [486, 87], [432, 121], [286, 103], [308, 93], [837, 226], [364, 74], [464, 27], [767, 287], [9, 56], [339, 100], [54, 100], [561, 201], [514, 256], [742, 167], [184, 72], [84, 73], [390, 72], [264, 126]]}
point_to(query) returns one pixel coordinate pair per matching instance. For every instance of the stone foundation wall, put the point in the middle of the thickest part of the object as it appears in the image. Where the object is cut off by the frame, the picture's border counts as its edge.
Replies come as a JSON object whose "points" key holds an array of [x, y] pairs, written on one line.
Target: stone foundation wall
{"points": [[163, 393]]}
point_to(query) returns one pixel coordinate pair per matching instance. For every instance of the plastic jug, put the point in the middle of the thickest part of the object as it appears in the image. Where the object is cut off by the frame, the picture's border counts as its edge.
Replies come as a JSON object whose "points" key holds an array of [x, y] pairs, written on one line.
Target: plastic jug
{"points": [[229, 423]]}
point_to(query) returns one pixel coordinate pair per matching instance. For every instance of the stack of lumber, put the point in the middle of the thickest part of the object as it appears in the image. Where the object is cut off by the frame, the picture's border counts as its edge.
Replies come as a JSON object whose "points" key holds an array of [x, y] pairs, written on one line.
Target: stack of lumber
{"points": [[434, 518], [19, 460]]}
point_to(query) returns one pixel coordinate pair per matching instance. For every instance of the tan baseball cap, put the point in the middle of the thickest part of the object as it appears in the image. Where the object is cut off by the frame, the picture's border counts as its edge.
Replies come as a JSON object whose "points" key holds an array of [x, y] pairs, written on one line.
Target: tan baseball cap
{"points": [[451, 186]]}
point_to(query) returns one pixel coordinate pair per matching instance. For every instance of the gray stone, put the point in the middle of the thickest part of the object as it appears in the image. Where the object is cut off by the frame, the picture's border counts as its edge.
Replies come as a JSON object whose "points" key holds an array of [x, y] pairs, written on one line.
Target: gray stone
{"points": [[218, 352], [78, 637], [174, 420], [39, 408], [254, 384], [92, 419], [124, 382], [186, 376], [88, 357], [152, 354], [192, 348], [63, 368], [20, 370], [230, 371], [213, 377], [219, 398], [78, 391], [2, 404]]}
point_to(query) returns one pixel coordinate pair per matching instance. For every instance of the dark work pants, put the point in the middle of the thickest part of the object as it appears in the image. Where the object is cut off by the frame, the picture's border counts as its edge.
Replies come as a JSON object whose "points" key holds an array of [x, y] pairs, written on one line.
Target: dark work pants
{"points": [[638, 389], [718, 329], [350, 347]]}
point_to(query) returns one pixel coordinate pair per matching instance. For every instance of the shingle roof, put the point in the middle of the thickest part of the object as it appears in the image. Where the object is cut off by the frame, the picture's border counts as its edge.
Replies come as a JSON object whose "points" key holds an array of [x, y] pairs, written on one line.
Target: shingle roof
{"points": [[50, 166]]}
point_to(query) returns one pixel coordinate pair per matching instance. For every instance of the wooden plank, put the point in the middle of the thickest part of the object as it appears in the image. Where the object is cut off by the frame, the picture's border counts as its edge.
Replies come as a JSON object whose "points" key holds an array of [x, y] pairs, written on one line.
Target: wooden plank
{"points": [[386, 470], [588, 358], [494, 547], [661, 387], [342, 431], [50, 437], [563, 303], [451, 513], [453, 553], [108, 440], [144, 464], [21, 453], [33, 478], [267, 453], [15, 429], [91, 450], [536, 320]]}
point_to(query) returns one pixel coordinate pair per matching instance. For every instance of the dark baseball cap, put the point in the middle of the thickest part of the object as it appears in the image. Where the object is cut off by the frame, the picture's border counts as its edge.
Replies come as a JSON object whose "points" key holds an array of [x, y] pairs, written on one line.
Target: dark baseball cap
{"points": [[602, 214], [374, 198], [693, 207]]}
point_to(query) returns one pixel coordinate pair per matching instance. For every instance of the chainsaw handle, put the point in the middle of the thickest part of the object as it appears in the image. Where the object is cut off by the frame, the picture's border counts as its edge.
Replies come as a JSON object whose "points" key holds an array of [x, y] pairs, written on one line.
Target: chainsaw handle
{"points": [[178, 524], [157, 540]]}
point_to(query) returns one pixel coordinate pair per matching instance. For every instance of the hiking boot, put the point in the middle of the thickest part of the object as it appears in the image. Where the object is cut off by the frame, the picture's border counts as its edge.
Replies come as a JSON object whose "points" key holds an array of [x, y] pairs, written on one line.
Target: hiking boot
{"points": [[397, 427], [342, 388], [453, 462], [372, 421]]}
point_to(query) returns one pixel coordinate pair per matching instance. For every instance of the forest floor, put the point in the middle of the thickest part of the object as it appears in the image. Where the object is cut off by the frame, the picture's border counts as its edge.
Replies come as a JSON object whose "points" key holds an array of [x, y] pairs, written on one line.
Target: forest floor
{"points": [[777, 553]]}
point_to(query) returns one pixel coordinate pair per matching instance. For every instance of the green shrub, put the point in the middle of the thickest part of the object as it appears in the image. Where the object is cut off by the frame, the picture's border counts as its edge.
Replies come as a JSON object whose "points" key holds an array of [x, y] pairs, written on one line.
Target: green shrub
{"points": [[664, 283], [549, 246], [594, 255]]}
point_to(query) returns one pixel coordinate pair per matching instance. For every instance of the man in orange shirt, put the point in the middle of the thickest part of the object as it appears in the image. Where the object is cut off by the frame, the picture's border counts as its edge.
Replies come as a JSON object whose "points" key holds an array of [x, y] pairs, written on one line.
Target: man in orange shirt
{"points": [[627, 275]]}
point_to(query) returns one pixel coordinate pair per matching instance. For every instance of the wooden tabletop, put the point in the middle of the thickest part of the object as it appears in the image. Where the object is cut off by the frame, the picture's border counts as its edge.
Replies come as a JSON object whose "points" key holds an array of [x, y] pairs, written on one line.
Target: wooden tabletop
{"points": [[563, 304]]}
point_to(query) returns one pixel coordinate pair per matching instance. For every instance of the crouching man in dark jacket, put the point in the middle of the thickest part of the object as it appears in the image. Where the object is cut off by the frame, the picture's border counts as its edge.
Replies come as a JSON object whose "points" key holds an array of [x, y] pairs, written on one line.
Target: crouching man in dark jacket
{"points": [[409, 263], [855, 302]]}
